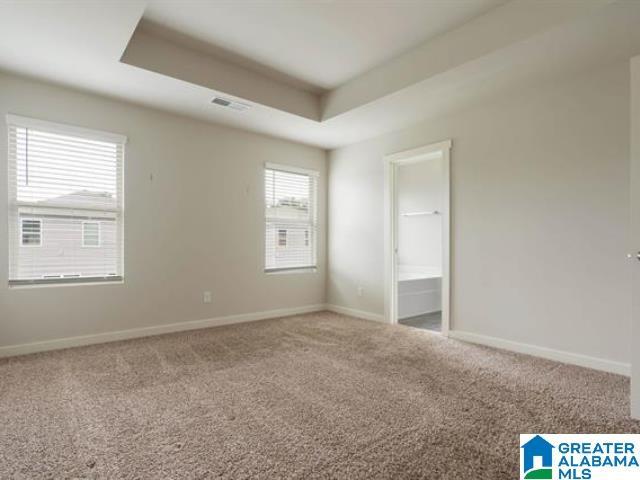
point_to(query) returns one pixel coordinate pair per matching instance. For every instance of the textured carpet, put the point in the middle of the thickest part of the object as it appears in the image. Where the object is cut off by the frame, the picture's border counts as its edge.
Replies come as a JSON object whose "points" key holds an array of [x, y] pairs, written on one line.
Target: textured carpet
{"points": [[313, 396]]}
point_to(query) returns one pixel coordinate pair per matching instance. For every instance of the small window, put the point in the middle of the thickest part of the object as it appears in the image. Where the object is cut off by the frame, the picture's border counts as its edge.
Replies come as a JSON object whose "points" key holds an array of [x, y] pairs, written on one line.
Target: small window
{"points": [[290, 218], [282, 238], [90, 234], [31, 232]]}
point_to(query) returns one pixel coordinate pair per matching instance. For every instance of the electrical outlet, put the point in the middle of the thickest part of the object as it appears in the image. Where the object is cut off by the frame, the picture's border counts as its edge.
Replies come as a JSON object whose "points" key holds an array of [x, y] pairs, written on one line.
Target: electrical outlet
{"points": [[206, 297], [360, 290]]}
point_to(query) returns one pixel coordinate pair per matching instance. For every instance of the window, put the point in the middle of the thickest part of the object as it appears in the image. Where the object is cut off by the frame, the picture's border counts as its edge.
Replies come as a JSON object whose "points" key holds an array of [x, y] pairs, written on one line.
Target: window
{"points": [[65, 194], [90, 234], [282, 238], [290, 213], [31, 232]]}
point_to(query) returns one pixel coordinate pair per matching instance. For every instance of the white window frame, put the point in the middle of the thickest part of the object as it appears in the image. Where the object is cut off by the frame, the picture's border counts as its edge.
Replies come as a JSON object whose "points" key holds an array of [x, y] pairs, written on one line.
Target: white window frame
{"points": [[21, 220], [93, 222], [85, 133], [312, 225]]}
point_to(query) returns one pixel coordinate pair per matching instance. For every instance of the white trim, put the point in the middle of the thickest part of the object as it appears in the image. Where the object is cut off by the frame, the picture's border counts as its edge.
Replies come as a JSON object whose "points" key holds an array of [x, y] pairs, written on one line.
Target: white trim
{"points": [[428, 152], [87, 282], [12, 350], [291, 169], [64, 129], [291, 270], [419, 154], [595, 363], [548, 353], [352, 312]]}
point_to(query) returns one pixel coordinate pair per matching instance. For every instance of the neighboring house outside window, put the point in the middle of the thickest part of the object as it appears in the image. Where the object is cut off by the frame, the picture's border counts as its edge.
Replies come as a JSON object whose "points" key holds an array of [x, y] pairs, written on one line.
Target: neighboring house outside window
{"points": [[65, 194], [72, 247], [291, 215]]}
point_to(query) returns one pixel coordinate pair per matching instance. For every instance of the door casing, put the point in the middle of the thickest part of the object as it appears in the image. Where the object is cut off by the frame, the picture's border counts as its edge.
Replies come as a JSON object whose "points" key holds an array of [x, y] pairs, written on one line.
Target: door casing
{"points": [[440, 150]]}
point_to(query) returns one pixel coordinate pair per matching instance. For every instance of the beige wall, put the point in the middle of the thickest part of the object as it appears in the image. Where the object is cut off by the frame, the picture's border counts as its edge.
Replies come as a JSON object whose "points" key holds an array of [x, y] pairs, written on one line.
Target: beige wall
{"points": [[540, 204], [197, 225], [539, 208]]}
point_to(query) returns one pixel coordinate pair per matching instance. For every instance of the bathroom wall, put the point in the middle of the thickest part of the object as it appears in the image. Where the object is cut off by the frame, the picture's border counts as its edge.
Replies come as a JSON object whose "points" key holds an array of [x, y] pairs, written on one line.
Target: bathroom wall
{"points": [[419, 189]]}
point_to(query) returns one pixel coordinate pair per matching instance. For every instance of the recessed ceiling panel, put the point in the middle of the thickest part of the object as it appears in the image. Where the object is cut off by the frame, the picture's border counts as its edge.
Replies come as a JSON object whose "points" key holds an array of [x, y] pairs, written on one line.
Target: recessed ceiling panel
{"points": [[322, 44]]}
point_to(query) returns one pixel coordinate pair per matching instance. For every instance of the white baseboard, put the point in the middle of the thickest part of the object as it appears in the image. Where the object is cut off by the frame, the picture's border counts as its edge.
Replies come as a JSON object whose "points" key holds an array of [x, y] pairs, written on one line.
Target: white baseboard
{"points": [[352, 312], [551, 354], [544, 352], [12, 350]]}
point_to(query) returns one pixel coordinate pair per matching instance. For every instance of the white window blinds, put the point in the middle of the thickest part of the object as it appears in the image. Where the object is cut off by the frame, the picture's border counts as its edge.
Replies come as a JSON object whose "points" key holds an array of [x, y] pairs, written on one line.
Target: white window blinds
{"points": [[291, 214], [65, 203]]}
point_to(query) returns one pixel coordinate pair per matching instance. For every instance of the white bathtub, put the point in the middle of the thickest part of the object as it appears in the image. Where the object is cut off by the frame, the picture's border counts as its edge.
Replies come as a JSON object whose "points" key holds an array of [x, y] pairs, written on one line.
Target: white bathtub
{"points": [[419, 290]]}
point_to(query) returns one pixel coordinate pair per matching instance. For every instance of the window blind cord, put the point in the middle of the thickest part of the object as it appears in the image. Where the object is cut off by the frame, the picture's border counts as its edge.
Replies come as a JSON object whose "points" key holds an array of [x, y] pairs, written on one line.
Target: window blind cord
{"points": [[26, 159]]}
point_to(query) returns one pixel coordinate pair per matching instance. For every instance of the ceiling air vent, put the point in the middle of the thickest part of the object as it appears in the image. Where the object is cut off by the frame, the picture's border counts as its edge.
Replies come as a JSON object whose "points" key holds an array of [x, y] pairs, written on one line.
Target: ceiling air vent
{"points": [[232, 104]]}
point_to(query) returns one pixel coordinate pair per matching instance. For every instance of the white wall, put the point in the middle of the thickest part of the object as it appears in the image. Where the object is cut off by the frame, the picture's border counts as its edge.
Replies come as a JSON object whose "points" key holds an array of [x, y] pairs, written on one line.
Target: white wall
{"points": [[419, 188], [197, 225], [540, 204]]}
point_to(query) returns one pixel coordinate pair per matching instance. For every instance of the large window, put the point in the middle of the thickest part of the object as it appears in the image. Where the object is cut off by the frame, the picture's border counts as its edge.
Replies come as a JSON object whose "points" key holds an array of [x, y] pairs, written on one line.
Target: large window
{"points": [[65, 199], [290, 211]]}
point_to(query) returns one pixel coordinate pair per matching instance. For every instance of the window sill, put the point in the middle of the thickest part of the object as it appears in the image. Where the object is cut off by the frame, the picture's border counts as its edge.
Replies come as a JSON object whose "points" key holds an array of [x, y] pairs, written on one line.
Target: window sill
{"points": [[289, 271], [84, 282]]}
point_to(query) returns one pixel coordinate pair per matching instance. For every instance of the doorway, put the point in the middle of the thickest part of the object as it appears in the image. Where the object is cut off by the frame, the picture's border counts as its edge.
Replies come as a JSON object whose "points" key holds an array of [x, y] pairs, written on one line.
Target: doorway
{"points": [[417, 238]]}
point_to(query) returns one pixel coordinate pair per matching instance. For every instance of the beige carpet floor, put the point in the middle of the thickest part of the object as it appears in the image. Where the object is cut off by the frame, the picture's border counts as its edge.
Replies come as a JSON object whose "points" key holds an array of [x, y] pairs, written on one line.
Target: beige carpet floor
{"points": [[312, 396]]}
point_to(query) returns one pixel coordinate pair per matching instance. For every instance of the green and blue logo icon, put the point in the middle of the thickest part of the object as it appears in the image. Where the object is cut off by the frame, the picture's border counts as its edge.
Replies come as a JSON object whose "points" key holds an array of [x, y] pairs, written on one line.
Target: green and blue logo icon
{"points": [[537, 459]]}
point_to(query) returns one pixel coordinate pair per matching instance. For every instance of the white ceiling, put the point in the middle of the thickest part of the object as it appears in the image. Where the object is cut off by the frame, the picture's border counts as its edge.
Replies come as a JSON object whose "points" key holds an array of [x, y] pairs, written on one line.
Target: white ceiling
{"points": [[81, 43], [322, 43]]}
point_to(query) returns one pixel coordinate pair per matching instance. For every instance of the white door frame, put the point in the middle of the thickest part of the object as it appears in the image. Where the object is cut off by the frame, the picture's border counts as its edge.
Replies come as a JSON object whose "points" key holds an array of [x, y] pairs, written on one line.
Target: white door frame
{"points": [[634, 243], [433, 151]]}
